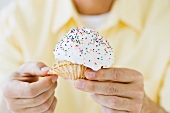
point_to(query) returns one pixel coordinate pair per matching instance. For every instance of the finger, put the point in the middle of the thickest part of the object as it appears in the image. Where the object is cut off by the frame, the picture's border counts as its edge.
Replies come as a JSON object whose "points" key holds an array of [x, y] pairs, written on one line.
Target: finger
{"points": [[113, 74], [28, 90], [107, 88], [33, 68], [42, 85], [41, 108], [109, 110], [24, 103], [52, 107], [113, 102], [29, 79]]}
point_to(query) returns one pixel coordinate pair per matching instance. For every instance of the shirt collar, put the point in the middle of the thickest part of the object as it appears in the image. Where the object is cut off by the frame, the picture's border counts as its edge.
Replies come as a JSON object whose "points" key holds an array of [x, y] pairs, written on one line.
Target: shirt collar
{"points": [[63, 11], [129, 12]]}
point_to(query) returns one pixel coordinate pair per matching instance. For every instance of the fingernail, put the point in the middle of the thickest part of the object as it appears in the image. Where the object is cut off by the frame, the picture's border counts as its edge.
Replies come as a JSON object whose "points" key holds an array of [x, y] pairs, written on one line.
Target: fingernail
{"points": [[79, 84], [54, 79], [90, 74], [44, 69]]}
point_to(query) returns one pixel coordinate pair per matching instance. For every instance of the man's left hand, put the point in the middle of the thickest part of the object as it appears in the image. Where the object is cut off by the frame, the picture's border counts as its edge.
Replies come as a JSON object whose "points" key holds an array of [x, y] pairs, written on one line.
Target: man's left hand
{"points": [[117, 90]]}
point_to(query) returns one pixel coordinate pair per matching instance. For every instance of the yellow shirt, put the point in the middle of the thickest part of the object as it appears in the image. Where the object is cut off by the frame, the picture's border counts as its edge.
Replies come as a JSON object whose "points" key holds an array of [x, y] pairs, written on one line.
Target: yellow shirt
{"points": [[138, 30]]}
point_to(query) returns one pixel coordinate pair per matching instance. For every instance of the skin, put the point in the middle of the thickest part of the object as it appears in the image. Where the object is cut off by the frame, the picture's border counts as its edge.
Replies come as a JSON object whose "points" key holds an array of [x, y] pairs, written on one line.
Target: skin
{"points": [[93, 7], [117, 90], [24, 93]]}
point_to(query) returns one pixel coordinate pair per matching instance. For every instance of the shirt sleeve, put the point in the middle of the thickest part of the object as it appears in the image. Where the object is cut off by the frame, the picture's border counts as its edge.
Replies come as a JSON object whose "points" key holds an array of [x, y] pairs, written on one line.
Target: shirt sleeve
{"points": [[165, 91], [10, 52]]}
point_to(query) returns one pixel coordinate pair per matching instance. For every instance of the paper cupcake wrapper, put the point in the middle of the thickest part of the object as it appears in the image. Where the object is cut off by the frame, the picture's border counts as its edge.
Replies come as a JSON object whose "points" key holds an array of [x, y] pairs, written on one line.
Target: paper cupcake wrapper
{"points": [[68, 70]]}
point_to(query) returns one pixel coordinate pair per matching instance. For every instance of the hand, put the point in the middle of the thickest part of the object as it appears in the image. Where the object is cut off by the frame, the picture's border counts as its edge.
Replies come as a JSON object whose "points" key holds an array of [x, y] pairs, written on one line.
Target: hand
{"points": [[24, 93], [117, 90]]}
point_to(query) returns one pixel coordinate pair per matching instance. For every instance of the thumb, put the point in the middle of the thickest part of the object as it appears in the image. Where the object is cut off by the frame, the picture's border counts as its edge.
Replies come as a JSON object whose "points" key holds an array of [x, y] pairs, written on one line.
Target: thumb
{"points": [[33, 69]]}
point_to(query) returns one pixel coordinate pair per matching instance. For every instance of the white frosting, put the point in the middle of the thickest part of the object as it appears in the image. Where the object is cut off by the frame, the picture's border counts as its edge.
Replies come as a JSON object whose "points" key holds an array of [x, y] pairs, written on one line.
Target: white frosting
{"points": [[85, 46]]}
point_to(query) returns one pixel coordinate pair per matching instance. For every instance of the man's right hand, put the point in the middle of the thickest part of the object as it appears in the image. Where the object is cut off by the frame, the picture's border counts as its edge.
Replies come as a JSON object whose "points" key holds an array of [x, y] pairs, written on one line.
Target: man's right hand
{"points": [[24, 93]]}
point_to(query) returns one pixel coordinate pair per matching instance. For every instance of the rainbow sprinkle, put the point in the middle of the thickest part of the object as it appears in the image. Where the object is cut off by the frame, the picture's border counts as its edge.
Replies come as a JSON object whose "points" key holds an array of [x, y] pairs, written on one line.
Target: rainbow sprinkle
{"points": [[85, 46]]}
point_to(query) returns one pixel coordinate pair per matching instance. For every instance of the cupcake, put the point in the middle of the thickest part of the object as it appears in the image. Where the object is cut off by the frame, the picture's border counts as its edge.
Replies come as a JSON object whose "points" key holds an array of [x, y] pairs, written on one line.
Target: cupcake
{"points": [[79, 49]]}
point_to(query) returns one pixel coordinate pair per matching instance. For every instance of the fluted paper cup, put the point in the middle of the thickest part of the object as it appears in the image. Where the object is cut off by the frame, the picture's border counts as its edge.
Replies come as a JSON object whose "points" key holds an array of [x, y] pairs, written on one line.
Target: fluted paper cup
{"points": [[68, 70]]}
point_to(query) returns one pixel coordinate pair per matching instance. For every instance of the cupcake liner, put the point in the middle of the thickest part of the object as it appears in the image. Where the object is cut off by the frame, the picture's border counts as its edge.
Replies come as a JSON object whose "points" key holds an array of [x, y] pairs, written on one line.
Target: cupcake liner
{"points": [[68, 70]]}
